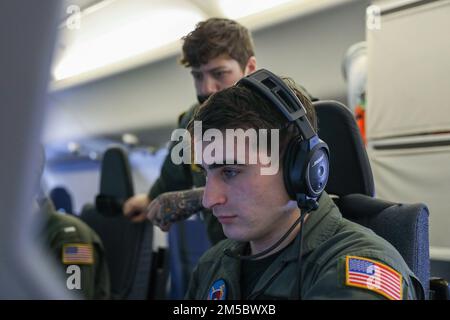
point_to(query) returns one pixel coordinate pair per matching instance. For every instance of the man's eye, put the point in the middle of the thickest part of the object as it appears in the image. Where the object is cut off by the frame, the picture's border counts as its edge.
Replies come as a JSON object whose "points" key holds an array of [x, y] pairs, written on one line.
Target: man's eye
{"points": [[219, 74], [230, 173]]}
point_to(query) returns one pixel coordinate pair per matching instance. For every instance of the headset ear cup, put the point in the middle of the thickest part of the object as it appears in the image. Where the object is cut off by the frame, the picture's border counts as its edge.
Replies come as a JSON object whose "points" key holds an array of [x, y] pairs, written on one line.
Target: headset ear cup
{"points": [[305, 172], [317, 170], [294, 167]]}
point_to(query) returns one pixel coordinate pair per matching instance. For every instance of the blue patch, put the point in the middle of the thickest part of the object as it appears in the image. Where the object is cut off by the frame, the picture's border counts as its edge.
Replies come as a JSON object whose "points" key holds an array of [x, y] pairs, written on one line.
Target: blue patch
{"points": [[218, 290]]}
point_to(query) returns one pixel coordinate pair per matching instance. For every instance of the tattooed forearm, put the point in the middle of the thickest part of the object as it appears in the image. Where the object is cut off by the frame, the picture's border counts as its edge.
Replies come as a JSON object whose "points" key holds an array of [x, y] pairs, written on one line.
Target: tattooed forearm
{"points": [[179, 205]]}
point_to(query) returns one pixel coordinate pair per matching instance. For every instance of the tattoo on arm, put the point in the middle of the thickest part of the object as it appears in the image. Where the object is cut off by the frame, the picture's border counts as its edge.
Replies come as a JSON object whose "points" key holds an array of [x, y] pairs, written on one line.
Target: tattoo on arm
{"points": [[179, 205]]}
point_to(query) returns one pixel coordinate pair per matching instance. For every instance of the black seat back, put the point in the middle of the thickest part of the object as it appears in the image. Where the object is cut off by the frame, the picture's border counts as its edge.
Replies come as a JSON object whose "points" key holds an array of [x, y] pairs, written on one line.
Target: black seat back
{"points": [[350, 170], [128, 246], [405, 226], [61, 199]]}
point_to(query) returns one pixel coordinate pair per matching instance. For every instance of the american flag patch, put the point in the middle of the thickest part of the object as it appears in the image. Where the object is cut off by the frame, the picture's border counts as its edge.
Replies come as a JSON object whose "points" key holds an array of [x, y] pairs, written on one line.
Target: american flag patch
{"points": [[78, 253], [375, 276]]}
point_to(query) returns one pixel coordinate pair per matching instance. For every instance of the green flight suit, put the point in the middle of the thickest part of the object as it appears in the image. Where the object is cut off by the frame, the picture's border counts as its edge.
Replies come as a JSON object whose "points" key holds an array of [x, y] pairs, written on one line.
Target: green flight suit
{"points": [[175, 177], [328, 240], [62, 231]]}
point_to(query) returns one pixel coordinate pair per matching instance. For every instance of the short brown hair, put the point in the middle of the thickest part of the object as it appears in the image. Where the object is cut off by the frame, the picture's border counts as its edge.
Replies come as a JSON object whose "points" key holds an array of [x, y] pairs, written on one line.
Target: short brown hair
{"points": [[215, 37], [238, 107]]}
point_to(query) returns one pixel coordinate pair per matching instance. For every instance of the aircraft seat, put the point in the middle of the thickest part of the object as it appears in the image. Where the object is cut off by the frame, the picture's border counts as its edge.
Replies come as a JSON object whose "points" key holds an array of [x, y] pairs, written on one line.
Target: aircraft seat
{"points": [[188, 240], [405, 226], [128, 246], [62, 199]]}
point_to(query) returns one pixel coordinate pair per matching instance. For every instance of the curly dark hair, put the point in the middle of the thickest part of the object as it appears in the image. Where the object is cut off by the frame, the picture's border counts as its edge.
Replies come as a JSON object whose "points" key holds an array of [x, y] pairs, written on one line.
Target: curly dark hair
{"points": [[215, 37]]}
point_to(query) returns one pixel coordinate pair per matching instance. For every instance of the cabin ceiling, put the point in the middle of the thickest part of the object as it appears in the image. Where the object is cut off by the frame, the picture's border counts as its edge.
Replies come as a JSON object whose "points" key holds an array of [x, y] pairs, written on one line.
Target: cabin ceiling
{"points": [[99, 38]]}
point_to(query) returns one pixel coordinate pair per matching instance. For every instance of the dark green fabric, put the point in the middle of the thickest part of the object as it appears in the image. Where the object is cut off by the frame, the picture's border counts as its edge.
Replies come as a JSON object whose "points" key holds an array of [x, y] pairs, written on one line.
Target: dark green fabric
{"points": [[60, 229], [328, 239], [176, 177], [252, 270], [182, 177]]}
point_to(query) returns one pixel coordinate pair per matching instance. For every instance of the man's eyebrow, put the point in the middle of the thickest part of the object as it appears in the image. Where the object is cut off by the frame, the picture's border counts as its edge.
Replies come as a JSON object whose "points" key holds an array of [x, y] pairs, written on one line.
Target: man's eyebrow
{"points": [[217, 69], [220, 165]]}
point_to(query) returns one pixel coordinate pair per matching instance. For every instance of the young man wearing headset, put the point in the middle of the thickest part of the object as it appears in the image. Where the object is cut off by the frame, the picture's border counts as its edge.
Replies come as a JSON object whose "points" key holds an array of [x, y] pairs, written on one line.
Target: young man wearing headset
{"points": [[286, 237]]}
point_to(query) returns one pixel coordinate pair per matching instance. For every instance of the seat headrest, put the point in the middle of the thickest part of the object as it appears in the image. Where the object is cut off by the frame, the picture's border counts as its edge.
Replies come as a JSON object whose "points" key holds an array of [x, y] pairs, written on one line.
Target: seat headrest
{"points": [[350, 170], [61, 199], [116, 184]]}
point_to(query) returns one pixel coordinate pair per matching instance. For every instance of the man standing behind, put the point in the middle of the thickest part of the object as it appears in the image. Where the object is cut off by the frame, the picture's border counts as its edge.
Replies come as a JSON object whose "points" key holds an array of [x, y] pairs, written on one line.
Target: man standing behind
{"points": [[219, 52]]}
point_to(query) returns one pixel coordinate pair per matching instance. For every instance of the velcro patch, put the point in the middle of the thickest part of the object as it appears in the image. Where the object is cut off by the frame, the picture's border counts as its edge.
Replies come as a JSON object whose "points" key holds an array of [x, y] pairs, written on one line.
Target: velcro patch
{"points": [[218, 290], [70, 229], [78, 253], [375, 276]]}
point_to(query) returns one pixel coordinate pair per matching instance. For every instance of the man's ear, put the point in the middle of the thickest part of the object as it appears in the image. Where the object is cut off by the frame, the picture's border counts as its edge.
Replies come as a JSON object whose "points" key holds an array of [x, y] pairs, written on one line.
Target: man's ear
{"points": [[251, 66]]}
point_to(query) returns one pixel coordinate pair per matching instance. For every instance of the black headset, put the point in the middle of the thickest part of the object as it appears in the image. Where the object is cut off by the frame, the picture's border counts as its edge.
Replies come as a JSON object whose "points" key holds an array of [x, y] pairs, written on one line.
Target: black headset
{"points": [[307, 158]]}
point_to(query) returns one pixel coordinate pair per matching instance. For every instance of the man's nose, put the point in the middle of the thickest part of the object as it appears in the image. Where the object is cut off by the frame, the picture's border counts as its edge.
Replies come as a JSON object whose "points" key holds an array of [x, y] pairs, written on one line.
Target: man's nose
{"points": [[213, 195]]}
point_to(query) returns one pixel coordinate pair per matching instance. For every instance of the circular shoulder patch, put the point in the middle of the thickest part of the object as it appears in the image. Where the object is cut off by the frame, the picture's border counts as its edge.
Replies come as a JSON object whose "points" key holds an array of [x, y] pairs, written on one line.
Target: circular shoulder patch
{"points": [[218, 290]]}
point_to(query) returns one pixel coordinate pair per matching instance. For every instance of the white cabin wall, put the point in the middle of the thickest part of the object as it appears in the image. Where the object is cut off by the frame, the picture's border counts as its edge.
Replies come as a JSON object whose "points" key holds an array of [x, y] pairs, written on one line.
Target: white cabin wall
{"points": [[311, 49]]}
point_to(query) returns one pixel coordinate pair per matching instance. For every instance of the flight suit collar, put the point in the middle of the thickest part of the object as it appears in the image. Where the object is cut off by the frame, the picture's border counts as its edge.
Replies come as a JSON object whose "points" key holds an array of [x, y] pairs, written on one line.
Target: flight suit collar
{"points": [[319, 227], [231, 273], [268, 287], [321, 224]]}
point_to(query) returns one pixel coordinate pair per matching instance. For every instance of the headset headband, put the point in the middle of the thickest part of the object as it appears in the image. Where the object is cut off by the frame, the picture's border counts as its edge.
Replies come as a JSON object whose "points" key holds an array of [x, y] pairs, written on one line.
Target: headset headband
{"points": [[278, 93]]}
